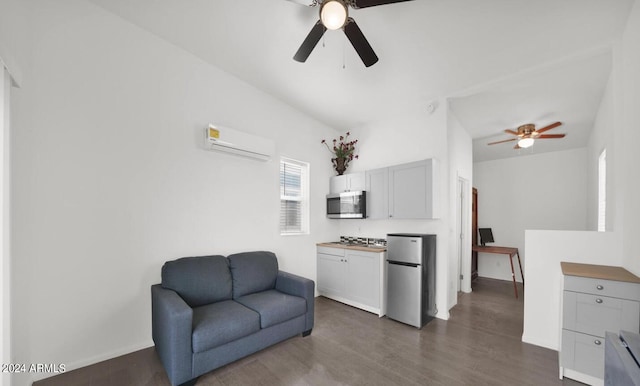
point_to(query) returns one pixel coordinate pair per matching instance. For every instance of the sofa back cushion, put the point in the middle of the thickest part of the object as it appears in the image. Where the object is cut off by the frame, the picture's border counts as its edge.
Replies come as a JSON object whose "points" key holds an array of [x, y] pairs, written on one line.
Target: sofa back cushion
{"points": [[198, 280], [253, 272]]}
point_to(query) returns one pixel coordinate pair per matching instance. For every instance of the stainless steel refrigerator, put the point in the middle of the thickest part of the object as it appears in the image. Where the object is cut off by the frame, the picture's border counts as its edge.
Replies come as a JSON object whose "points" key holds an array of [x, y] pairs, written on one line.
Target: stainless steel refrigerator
{"points": [[411, 263]]}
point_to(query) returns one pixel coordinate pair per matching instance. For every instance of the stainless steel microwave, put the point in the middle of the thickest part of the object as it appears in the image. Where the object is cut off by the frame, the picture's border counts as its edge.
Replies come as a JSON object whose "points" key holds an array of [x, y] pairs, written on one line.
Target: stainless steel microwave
{"points": [[347, 205]]}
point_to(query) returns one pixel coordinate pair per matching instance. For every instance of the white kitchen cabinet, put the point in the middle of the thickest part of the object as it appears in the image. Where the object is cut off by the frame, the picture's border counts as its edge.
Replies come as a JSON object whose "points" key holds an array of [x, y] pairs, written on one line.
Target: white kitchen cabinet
{"points": [[352, 182], [331, 272], [363, 277], [595, 299], [377, 187], [413, 190], [407, 191], [352, 277]]}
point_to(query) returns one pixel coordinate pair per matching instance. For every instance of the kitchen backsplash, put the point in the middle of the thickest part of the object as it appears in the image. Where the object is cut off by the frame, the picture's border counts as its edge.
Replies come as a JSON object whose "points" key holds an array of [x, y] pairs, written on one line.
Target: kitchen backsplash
{"points": [[362, 240]]}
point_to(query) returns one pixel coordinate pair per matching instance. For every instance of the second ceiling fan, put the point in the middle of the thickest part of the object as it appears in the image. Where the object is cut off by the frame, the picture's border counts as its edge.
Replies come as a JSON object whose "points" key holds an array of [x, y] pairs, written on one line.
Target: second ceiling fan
{"points": [[527, 134], [334, 15]]}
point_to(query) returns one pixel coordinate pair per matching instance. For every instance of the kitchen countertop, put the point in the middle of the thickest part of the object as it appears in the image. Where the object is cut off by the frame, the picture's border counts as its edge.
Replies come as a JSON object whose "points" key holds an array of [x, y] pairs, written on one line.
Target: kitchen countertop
{"points": [[354, 247], [604, 272]]}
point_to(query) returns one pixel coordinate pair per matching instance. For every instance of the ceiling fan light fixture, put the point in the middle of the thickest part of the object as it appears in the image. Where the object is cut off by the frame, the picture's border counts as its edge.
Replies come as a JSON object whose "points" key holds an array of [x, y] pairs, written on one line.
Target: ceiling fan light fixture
{"points": [[526, 142], [334, 14]]}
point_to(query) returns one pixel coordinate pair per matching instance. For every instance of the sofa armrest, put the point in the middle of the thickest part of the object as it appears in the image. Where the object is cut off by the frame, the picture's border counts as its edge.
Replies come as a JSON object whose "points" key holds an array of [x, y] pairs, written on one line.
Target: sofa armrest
{"points": [[298, 286], [171, 326]]}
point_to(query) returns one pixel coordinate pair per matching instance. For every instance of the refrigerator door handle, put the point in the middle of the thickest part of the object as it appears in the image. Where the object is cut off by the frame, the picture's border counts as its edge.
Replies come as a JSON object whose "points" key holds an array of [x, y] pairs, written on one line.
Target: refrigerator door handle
{"points": [[414, 265]]}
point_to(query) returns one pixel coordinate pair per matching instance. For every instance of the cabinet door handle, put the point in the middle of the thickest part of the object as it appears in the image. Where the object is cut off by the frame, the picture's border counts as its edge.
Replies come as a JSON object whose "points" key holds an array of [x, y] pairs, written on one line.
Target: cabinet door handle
{"points": [[598, 300], [597, 342], [599, 287]]}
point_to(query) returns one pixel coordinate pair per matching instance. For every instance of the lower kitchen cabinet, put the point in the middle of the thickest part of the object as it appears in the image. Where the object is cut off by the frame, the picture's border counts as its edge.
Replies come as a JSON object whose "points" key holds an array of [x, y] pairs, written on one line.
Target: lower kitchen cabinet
{"points": [[352, 277], [595, 299]]}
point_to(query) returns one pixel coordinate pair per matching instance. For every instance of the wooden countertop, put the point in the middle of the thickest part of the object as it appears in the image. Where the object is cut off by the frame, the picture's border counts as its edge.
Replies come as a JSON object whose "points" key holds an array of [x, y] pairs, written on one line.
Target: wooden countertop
{"points": [[353, 247], [605, 272]]}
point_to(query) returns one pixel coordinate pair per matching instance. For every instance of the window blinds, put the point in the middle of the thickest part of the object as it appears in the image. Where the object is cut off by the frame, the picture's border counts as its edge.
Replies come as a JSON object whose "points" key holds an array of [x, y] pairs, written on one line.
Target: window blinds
{"points": [[291, 197]]}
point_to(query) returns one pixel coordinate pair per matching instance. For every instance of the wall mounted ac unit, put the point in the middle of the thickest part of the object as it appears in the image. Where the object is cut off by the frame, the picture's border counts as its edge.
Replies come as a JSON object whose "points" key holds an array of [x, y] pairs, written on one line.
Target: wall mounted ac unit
{"points": [[232, 141]]}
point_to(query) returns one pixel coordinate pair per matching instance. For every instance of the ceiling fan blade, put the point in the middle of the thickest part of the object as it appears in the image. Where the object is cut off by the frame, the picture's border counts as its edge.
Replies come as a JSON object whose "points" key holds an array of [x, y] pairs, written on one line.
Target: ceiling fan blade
{"points": [[310, 42], [508, 131], [360, 43], [551, 126], [550, 136], [506, 140], [373, 3], [309, 3]]}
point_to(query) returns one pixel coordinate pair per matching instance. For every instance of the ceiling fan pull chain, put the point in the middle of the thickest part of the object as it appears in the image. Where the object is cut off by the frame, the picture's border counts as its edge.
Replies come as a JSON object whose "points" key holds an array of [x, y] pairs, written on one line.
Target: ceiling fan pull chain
{"points": [[344, 43]]}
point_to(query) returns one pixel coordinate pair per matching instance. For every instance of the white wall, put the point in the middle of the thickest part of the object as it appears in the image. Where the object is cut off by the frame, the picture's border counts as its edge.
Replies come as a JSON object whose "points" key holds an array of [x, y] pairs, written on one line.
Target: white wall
{"points": [[5, 261], [460, 166], [543, 292], [540, 191], [616, 128], [10, 76], [110, 179], [630, 134], [602, 137], [422, 136]]}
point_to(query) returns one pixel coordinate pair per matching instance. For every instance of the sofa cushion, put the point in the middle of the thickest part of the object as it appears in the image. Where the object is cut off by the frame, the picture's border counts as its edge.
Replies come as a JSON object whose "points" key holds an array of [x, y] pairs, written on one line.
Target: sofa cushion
{"points": [[223, 322], [274, 306], [198, 280], [253, 272]]}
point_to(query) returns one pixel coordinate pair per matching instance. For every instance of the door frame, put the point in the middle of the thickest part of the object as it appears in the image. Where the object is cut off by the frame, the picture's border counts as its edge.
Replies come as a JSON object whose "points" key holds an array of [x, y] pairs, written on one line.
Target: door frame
{"points": [[463, 234]]}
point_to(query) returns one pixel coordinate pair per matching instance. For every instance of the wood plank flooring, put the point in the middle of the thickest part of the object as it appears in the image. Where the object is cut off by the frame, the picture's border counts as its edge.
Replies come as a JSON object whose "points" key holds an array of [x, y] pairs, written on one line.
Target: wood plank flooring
{"points": [[479, 345]]}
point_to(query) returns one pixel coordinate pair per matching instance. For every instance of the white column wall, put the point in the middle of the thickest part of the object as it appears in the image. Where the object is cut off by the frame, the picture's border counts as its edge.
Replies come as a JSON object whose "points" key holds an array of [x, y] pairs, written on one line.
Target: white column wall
{"points": [[630, 133], [5, 257]]}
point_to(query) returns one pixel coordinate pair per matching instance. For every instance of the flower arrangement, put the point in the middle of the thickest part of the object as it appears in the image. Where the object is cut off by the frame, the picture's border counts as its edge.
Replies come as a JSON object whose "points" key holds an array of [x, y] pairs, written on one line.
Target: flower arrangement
{"points": [[343, 151]]}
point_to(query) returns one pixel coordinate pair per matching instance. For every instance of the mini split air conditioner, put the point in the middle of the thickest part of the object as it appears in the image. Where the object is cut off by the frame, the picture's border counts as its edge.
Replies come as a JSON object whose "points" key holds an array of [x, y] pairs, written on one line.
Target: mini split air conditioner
{"points": [[232, 141]]}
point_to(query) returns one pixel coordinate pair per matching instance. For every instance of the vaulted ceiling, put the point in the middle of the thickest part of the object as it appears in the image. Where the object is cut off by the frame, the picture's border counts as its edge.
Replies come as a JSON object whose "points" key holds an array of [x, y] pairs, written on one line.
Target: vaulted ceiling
{"points": [[500, 63]]}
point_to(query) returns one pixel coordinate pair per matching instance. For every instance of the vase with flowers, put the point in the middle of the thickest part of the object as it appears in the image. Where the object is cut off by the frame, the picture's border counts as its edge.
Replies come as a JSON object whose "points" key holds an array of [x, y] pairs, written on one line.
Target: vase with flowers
{"points": [[343, 151]]}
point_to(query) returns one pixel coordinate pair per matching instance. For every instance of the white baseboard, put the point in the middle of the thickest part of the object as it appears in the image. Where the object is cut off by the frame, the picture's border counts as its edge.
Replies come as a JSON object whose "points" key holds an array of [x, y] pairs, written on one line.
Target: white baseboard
{"points": [[541, 342], [70, 366], [584, 378]]}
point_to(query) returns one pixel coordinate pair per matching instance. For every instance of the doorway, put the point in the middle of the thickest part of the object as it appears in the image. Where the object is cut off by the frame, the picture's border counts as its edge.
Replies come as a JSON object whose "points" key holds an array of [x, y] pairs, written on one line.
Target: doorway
{"points": [[463, 230]]}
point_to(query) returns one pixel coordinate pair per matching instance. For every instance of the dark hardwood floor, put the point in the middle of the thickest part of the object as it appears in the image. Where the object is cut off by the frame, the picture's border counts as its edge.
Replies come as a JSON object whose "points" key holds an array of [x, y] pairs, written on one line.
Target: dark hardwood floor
{"points": [[479, 345]]}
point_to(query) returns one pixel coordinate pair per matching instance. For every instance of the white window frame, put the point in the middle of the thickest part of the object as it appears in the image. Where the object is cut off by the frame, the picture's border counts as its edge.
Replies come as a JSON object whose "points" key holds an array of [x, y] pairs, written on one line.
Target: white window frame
{"points": [[602, 191], [303, 198]]}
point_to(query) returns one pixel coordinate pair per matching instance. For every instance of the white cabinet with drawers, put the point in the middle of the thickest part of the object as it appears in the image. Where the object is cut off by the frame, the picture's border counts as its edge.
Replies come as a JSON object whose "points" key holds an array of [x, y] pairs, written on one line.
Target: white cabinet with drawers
{"points": [[595, 299]]}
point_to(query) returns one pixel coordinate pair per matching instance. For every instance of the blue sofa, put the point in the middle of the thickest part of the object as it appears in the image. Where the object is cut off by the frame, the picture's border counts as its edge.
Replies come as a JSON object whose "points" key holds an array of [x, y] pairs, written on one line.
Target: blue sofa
{"points": [[212, 310]]}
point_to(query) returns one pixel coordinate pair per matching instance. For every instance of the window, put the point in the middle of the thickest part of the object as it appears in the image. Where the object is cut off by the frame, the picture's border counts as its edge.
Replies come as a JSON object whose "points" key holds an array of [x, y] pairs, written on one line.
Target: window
{"points": [[294, 197], [602, 191]]}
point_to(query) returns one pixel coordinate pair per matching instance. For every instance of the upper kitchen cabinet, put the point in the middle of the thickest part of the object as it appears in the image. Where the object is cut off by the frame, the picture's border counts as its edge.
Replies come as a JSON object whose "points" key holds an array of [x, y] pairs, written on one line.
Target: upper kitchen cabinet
{"points": [[377, 187], [352, 182], [406, 191], [413, 190]]}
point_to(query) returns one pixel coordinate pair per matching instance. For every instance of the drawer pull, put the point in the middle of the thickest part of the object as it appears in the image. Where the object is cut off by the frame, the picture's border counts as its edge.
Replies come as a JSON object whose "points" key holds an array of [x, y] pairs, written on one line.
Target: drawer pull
{"points": [[599, 287], [597, 342], [599, 301]]}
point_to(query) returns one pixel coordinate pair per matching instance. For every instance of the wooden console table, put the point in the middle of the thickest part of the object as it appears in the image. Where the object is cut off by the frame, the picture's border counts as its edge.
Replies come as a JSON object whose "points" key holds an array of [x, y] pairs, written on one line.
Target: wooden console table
{"points": [[504, 251]]}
